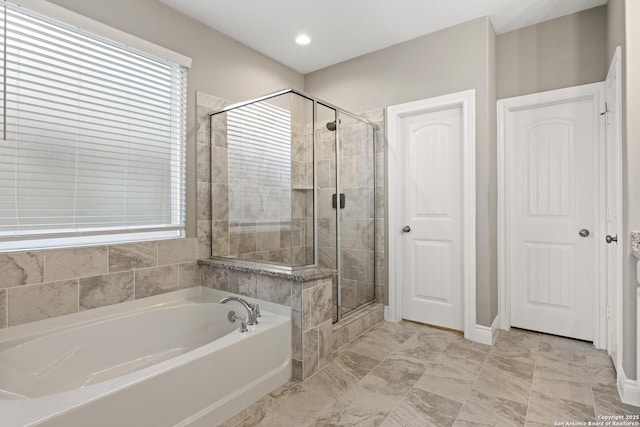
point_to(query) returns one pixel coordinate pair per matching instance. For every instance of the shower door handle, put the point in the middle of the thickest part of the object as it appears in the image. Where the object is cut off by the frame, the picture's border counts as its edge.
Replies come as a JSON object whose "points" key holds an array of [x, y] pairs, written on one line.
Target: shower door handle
{"points": [[335, 201]]}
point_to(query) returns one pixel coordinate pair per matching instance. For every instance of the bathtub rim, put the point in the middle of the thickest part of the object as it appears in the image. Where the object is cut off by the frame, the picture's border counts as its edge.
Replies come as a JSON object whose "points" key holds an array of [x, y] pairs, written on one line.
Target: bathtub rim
{"points": [[14, 335]]}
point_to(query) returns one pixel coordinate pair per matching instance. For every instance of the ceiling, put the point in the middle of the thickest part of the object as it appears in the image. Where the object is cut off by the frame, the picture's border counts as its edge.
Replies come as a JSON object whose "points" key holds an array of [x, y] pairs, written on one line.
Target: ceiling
{"points": [[344, 29]]}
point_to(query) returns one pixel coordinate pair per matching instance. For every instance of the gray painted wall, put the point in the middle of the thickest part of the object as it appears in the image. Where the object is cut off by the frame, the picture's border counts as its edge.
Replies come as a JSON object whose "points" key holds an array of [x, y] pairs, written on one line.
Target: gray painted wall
{"points": [[567, 51], [221, 65], [450, 60], [563, 52]]}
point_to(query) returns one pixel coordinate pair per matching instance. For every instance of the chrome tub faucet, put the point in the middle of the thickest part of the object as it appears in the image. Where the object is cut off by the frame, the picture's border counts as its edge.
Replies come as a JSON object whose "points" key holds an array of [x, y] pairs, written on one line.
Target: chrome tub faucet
{"points": [[253, 310]]}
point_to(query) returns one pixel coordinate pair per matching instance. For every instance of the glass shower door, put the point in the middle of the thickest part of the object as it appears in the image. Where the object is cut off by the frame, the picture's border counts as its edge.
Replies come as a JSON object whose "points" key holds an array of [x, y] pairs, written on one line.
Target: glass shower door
{"points": [[326, 178], [355, 213]]}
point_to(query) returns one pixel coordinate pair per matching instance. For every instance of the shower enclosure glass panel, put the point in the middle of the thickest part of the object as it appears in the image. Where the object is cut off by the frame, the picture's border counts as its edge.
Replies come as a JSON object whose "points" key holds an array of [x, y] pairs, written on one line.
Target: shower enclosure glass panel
{"points": [[262, 181], [293, 184], [326, 188], [356, 217], [346, 189]]}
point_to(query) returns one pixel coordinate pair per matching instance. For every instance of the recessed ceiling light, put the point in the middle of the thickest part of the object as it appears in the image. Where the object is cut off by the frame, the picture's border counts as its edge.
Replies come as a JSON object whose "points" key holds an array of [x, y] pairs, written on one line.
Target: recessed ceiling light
{"points": [[303, 39]]}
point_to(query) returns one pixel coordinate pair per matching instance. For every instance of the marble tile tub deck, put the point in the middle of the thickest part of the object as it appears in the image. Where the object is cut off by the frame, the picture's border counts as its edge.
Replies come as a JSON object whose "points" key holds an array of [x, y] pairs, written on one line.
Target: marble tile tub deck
{"points": [[409, 375]]}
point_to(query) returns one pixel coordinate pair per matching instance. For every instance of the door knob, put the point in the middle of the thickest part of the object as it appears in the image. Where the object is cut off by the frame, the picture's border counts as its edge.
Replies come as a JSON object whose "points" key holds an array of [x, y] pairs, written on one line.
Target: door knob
{"points": [[406, 229], [584, 232], [611, 239]]}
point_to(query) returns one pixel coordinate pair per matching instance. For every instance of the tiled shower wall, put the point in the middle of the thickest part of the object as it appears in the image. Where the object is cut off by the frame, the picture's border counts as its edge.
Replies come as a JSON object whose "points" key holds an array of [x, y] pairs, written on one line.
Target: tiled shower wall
{"points": [[249, 200], [36, 285]]}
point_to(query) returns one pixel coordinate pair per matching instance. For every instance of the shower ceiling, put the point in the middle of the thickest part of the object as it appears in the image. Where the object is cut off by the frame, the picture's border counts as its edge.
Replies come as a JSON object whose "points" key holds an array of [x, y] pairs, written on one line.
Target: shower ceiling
{"points": [[341, 30]]}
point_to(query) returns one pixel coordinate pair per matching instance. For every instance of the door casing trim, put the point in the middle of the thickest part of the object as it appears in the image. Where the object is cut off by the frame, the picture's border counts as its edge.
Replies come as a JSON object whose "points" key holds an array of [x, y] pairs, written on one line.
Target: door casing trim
{"points": [[465, 100], [505, 107]]}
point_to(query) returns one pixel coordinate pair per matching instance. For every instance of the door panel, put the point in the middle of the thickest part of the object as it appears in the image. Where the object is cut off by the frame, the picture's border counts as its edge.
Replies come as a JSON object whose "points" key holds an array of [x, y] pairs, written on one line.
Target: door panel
{"points": [[432, 206], [553, 196]]}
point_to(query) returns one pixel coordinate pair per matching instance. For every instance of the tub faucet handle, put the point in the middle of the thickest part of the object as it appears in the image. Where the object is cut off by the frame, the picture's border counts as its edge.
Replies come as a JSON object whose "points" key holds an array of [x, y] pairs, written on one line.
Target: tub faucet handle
{"points": [[249, 307], [256, 310], [232, 316]]}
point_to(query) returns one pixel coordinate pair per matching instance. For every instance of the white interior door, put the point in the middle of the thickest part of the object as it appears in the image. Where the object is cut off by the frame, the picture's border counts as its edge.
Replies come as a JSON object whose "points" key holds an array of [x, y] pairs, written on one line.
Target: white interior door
{"points": [[431, 205], [552, 212], [613, 94]]}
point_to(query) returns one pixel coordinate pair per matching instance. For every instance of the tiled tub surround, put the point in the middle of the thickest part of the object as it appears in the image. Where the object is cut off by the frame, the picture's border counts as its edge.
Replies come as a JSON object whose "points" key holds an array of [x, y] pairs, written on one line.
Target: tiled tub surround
{"points": [[313, 332], [36, 285]]}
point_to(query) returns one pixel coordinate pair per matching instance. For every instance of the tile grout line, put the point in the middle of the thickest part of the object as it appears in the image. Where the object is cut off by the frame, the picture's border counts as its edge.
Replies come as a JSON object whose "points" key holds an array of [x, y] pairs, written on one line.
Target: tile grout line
{"points": [[464, 402], [535, 366], [414, 384]]}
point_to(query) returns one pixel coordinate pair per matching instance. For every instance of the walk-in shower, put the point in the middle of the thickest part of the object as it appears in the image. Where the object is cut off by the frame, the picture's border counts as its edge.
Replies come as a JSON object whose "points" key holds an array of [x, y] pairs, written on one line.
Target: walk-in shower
{"points": [[293, 184]]}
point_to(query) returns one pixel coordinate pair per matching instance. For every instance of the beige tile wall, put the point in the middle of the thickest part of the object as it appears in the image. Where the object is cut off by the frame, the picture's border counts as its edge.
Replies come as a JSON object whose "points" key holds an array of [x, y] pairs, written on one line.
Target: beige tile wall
{"points": [[36, 285], [217, 197]]}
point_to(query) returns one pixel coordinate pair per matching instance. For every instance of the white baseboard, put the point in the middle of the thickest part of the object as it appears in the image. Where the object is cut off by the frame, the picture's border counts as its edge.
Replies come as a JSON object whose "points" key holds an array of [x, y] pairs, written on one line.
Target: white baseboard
{"points": [[386, 313], [629, 390], [485, 334]]}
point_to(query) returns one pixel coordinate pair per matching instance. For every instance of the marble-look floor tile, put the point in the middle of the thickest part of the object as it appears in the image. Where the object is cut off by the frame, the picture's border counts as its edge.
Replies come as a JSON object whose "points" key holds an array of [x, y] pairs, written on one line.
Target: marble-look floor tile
{"points": [[359, 407], [482, 409], [424, 346], [604, 375], [296, 405], [421, 408], [466, 352], [520, 368], [546, 408], [394, 376], [397, 333], [497, 382], [253, 415], [341, 374], [290, 405], [372, 346], [351, 416], [597, 358], [565, 389], [564, 370], [607, 402], [522, 350], [446, 379], [562, 349], [518, 337]]}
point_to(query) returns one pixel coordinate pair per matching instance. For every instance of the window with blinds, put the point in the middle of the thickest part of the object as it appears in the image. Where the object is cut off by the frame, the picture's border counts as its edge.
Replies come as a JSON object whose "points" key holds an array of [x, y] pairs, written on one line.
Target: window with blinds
{"points": [[93, 137], [259, 162]]}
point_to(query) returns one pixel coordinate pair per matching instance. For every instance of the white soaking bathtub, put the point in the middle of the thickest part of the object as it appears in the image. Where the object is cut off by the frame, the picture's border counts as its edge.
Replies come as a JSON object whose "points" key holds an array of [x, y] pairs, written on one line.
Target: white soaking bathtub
{"points": [[168, 360]]}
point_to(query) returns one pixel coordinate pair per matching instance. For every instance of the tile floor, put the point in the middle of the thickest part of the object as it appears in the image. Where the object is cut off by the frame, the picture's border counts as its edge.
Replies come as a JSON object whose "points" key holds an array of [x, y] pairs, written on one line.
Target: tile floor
{"points": [[407, 374]]}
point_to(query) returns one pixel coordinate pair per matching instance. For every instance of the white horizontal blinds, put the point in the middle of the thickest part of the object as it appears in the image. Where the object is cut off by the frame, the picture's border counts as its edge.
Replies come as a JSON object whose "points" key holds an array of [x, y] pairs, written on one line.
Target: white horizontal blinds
{"points": [[259, 167], [95, 133]]}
